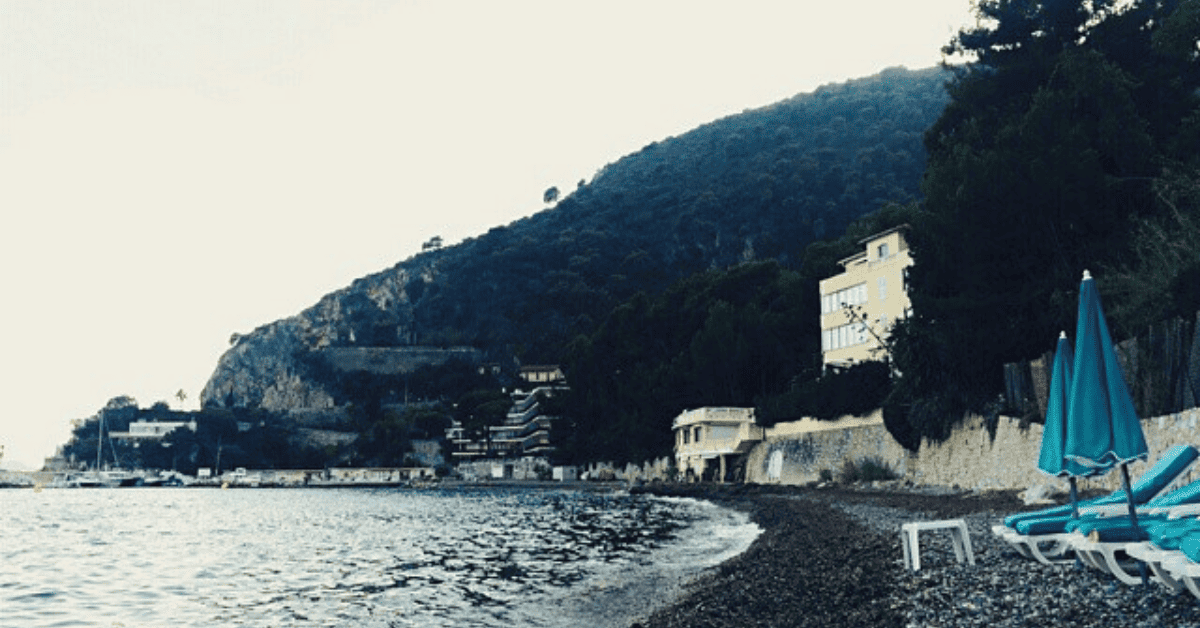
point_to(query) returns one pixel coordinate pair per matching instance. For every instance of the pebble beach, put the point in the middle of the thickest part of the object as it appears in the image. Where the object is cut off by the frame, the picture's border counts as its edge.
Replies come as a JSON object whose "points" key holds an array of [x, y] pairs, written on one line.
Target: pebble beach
{"points": [[833, 557]]}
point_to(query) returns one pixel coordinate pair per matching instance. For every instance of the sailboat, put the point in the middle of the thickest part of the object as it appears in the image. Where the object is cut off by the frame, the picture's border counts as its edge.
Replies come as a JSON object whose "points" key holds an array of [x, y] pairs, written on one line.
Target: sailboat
{"points": [[98, 478]]}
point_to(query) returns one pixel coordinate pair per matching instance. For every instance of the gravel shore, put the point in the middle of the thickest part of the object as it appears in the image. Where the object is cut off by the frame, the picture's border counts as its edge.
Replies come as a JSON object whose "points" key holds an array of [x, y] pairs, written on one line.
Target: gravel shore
{"points": [[832, 557]]}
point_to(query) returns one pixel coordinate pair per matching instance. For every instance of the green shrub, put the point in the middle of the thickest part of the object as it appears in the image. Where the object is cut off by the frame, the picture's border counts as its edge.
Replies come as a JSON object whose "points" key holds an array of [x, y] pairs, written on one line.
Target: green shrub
{"points": [[876, 470], [865, 470], [856, 391]]}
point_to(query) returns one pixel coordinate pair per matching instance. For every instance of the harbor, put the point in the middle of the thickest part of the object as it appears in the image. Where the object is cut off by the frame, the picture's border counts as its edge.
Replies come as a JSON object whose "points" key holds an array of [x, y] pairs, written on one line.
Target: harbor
{"points": [[236, 478]]}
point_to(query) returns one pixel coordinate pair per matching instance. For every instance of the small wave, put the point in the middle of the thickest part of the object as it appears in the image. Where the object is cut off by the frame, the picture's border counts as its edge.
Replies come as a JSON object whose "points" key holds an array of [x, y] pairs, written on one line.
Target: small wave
{"points": [[707, 535]]}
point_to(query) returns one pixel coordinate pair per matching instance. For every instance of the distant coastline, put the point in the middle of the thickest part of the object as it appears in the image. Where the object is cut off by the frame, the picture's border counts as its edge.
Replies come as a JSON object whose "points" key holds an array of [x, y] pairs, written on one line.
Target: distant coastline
{"points": [[420, 478]]}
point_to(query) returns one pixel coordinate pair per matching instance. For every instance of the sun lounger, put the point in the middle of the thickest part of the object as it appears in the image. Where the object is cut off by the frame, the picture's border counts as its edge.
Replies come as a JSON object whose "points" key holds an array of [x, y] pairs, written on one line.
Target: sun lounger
{"points": [[1164, 538], [1102, 540], [1048, 549], [1043, 536], [1183, 565], [1163, 548]]}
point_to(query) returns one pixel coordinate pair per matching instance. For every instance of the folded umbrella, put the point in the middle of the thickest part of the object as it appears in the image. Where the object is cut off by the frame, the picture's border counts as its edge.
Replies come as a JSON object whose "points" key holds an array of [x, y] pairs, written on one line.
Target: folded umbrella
{"points": [[1102, 427]]}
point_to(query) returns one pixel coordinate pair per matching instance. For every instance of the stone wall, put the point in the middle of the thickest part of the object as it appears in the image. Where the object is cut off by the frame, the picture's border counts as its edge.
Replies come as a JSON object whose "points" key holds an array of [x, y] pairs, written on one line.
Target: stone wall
{"points": [[506, 469], [395, 360], [324, 438], [970, 459], [662, 469], [800, 458]]}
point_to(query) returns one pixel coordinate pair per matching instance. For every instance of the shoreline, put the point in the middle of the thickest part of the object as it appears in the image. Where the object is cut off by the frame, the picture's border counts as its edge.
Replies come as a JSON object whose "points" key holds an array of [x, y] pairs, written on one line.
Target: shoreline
{"points": [[832, 557], [447, 484], [763, 586]]}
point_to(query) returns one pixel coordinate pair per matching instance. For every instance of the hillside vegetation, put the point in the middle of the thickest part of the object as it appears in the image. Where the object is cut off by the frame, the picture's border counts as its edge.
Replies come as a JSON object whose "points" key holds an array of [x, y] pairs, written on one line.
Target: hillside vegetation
{"points": [[1072, 144], [761, 185], [745, 336], [757, 186]]}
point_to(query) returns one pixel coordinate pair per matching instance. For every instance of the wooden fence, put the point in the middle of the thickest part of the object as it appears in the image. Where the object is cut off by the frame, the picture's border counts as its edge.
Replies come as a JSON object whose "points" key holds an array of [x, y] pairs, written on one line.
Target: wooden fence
{"points": [[1162, 368]]}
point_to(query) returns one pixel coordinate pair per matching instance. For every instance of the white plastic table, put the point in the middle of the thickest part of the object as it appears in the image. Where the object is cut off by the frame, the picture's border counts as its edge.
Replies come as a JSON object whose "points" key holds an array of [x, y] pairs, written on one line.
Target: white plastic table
{"points": [[960, 538]]}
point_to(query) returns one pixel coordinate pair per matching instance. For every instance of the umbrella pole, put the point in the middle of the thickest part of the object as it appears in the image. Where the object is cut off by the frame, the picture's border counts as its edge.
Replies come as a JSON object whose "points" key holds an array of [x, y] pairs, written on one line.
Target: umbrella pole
{"points": [[1075, 512], [1133, 518]]}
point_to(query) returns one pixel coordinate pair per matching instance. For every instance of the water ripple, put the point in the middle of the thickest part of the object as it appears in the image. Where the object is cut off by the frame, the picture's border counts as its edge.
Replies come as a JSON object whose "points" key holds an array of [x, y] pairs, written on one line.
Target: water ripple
{"points": [[188, 557]]}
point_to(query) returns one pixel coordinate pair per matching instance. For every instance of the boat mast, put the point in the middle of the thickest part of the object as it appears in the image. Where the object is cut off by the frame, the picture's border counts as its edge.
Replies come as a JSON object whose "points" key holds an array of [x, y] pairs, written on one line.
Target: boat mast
{"points": [[99, 441]]}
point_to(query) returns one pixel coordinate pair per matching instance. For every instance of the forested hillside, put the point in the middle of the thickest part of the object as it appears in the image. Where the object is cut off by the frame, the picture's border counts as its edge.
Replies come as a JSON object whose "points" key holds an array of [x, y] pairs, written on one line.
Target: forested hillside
{"points": [[756, 186], [1074, 143], [744, 336]]}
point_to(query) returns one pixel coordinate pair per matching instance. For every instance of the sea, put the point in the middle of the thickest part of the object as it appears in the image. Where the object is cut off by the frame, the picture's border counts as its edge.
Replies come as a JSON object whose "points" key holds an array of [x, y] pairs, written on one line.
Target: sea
{"points": [[469, 556]]}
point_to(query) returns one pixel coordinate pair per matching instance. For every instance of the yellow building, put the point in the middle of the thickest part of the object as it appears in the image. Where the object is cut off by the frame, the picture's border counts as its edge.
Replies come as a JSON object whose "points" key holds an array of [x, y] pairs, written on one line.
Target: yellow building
{"points": [[860, 305], [708, 435], [547, 373]]}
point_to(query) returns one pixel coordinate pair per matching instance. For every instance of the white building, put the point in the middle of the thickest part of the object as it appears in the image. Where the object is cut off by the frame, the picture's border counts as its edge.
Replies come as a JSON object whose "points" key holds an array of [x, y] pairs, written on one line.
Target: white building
{"points": [[525, 431], [707, 435], [152, 430]]}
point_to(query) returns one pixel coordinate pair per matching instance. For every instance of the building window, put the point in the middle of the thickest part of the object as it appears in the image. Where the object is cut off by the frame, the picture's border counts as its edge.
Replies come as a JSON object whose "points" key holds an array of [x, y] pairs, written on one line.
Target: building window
{"points": [[883, 251], [696, 435], [854, 295], [844, 336], [883, 288]]}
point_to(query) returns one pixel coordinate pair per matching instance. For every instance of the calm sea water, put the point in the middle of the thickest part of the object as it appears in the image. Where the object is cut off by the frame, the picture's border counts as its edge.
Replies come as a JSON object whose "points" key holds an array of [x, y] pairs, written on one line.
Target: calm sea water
{"points": [[354, 557]]}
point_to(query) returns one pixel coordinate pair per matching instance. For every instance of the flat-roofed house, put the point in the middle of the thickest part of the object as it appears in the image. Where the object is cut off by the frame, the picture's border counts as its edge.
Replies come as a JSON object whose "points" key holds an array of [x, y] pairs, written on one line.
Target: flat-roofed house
{"points": [[152, 430], [541, 374], [860, 305], [713, 435]]}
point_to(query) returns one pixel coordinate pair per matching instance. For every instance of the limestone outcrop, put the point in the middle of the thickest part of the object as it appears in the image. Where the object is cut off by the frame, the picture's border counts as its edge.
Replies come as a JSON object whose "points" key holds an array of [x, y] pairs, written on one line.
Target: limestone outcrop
{"points": [[273, 367], [259, 370]]}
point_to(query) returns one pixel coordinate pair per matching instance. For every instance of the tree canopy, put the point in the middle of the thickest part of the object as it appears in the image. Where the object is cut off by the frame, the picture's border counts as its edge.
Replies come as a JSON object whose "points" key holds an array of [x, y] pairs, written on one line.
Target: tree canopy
{"points": [[1042, 163], [743, 336]]}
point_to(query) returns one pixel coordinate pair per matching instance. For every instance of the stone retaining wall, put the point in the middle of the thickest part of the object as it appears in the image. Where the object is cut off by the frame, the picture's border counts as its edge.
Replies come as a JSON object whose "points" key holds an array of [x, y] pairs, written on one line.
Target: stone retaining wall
{"points": [[970, 459], [394, 360], [506, 469]]}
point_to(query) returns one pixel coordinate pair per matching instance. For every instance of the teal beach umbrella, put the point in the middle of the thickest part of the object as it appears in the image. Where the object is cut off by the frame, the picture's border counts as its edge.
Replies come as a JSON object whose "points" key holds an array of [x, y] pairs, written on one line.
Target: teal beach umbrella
{"points": [[1051, 458], [1103, 428]]}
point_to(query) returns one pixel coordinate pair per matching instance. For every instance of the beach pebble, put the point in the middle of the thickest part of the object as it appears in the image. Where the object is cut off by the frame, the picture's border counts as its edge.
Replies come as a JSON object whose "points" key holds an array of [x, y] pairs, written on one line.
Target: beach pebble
{"points": [[833, 558]]}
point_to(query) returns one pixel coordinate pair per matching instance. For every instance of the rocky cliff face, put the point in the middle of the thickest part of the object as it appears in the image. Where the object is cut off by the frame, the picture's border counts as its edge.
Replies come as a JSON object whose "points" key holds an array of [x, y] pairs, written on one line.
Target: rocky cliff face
{"points": [[259, 371], [266, 368]]}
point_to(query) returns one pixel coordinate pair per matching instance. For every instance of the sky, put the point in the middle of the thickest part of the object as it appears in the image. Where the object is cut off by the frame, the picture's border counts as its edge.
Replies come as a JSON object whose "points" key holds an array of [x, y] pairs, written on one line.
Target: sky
{"points": [[172, 173]]}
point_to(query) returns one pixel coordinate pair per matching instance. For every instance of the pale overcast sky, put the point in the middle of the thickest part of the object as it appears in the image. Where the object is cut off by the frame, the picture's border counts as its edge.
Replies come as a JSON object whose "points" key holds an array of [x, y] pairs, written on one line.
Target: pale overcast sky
{"points": [[174, 172]]}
